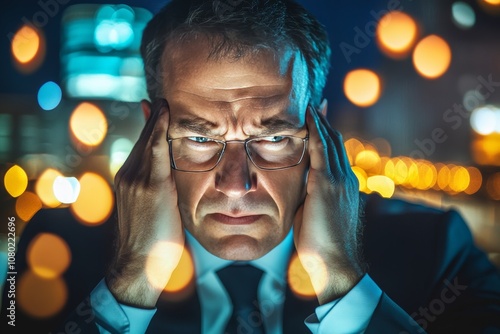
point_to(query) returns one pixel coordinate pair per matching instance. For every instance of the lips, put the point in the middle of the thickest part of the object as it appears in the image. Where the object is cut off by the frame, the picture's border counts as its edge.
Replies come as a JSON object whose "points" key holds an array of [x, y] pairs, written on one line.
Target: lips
{"points": [[235, 220]]}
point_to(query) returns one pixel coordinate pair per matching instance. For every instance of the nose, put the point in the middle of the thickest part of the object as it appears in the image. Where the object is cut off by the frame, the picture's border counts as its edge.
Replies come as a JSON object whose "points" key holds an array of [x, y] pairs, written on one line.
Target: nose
{"points": [[234, 177]]}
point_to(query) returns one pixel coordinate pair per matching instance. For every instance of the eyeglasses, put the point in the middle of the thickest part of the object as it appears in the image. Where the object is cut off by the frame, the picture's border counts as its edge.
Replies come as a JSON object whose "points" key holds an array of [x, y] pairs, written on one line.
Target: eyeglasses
{"points": [[202, 154]]}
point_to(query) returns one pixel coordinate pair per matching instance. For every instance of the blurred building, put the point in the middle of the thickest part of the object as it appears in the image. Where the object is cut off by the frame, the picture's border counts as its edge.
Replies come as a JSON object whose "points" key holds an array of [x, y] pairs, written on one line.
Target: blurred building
{"points": [[414, 87]]}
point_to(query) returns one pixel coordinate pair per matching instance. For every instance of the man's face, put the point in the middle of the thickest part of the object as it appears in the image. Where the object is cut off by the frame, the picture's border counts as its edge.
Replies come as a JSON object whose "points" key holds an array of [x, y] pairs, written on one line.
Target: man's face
{"points": [[237, 211]]}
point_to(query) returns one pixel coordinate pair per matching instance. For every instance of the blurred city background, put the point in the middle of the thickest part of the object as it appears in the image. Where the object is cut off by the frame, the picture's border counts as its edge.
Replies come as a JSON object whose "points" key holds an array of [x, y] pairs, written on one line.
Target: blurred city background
{"points": [[414, 88]]}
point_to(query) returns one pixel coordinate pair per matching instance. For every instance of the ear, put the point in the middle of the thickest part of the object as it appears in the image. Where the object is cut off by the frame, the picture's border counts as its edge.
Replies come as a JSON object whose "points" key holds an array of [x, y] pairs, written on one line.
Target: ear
{"points": [[146, 109], [323, 107]]}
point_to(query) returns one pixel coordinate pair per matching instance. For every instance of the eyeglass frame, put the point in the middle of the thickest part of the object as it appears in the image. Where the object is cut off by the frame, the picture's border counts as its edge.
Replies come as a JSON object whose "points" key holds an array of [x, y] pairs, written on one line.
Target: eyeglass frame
{"points": [[245, 143]]}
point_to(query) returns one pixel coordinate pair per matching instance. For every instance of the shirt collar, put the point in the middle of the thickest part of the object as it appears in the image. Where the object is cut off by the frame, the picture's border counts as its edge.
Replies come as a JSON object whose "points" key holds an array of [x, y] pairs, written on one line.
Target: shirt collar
{"points": [[273, 263]]}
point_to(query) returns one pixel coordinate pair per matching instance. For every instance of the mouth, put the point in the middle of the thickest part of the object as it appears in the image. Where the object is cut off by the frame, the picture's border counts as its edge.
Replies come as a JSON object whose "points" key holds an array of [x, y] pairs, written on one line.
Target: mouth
{"points": [[235, 220]]}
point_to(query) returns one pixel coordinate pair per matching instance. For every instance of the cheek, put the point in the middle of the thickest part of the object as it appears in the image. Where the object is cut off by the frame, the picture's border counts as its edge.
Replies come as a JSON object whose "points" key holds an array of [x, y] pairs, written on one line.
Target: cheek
{"points": [[190, 189], [287, 188]]}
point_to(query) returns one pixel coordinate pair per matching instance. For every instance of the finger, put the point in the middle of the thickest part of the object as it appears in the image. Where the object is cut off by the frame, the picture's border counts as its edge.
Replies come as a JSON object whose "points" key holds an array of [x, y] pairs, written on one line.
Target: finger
{"points": [[337, 141], [320, 150], [141, 152], [160, 156]]}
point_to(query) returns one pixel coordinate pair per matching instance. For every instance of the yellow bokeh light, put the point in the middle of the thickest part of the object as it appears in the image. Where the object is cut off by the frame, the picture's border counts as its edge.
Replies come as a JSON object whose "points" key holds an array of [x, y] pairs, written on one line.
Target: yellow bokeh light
{"points": [[15, 181], [88, 124], [362, 87], [95, 202], [361, 176], [460, 179], [427, 175], [412, 177], [381, 184], [400, 171], [44, 187], [353, 146], [493, 2], [40, 297], [443, 178], [299, 280], [48, 255], [27, 205], [25, 44], [367, 160], [476, 180], [182, 275], [161, 261], [432, 57], [396, 34]]}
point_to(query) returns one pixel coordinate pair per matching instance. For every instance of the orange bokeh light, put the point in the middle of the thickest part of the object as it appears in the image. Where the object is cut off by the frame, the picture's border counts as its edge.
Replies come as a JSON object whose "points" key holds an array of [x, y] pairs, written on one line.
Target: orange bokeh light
{"points": [[40, 297], [27, 205], [476, 180], [432, 57], [25, 44], [28, 48], [48, 255], [362, 87], [182, 275], [396, 34], [95, 202], [299, 280], [44, 187], [88, 124]]}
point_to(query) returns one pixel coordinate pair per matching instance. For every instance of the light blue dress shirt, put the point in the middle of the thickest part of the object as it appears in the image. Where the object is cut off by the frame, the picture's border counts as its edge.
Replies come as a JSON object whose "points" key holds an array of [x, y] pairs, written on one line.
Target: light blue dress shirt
{"points": [[349, 314]]}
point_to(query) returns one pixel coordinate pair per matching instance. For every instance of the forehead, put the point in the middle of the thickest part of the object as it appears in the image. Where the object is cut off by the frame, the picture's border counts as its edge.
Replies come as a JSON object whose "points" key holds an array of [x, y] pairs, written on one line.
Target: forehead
{"points": [[232, 90]]}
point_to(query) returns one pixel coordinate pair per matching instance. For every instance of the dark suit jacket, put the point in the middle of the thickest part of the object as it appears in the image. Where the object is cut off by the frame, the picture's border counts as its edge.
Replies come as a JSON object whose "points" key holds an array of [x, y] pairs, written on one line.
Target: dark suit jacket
{"points": [[423, 259]]}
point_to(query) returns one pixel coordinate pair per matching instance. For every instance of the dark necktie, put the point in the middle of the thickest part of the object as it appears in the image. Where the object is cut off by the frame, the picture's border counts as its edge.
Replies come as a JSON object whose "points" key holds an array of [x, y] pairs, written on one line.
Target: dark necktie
{"points": [[241, 283]]}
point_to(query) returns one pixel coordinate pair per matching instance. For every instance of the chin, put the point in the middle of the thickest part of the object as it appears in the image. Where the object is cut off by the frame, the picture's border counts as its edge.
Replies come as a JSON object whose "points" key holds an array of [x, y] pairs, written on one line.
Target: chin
{"points": [[239, 248]]}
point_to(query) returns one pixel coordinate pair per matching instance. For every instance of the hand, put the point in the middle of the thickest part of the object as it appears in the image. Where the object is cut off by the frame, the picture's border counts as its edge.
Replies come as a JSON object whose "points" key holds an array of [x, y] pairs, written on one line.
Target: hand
{"points": [[150, 234], [326, 226]]}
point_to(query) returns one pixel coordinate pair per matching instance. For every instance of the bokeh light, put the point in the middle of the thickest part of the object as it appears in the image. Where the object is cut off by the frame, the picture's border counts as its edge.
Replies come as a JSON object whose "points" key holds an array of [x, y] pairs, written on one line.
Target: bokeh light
{"points": [[44, 187], [25, 44], [485, 120], [48, 255], [362, 87], [182, 275], [463, 15], [396, 34], [66, 189], [49, 95], [27, 205], [460, 179], [120, 150], [88, 124], [15, 181], [40, 297], [368, 160], [353, 146], [493, 186], [492, 2], [361, 176], [161, 261], [95, 202], [432, 57], [381, 184], [476, 180], [299, 280]]}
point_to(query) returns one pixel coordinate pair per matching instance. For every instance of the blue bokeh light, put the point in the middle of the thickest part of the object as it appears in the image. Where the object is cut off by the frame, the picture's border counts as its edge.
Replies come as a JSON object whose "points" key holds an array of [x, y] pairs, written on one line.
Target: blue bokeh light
{"points": [[49, 95]]}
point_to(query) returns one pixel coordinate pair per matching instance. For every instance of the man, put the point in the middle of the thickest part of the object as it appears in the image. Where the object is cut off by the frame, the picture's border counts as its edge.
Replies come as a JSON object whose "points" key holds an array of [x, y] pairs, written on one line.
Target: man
{"points": [[238, 163]]}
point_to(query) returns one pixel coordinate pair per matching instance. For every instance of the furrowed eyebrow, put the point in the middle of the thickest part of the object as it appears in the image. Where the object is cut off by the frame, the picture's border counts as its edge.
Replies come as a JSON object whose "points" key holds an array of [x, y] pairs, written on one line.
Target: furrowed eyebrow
{"points": [[274, 125], [196, 125]]}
